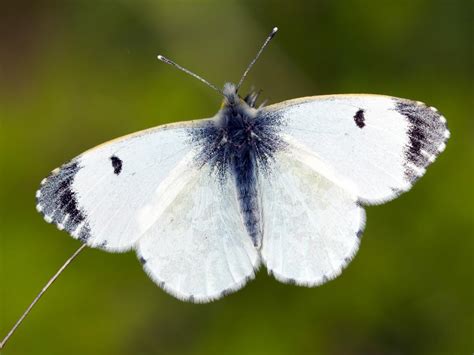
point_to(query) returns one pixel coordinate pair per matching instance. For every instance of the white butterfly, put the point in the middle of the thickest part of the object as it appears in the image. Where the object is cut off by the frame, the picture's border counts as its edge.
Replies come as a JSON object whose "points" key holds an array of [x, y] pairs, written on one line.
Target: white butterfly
{"points": [[205, 202]]}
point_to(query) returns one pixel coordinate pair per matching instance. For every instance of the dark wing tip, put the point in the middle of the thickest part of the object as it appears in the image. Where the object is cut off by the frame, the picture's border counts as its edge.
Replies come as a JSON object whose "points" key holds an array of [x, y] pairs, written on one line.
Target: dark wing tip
{"points": [[427, 136], [56, 200]]}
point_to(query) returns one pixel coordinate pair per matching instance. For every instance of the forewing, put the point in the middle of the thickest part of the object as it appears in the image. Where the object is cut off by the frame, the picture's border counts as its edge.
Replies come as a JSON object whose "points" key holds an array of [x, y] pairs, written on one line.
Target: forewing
{"points": [[198, 250], [312, 226], [376, 146], [103, 196]]}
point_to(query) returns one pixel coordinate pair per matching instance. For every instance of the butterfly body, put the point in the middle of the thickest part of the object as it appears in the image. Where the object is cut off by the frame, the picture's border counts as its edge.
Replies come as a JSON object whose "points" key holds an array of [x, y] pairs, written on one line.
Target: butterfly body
{"points": [[237, 144]]}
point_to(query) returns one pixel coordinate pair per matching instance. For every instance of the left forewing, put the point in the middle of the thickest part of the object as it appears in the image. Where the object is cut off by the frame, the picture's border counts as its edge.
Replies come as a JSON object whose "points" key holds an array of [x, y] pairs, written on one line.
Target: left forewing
{"points": [[107, 197]]}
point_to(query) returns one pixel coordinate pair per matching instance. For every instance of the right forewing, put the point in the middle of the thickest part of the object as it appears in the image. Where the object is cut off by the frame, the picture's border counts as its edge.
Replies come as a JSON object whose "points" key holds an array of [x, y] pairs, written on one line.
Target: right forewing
{"points": [[376, 146]]}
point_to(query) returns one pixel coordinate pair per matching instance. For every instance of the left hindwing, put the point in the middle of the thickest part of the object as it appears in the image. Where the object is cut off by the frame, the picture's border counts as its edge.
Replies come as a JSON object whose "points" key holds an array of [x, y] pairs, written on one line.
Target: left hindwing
{"points": [[198, 249], [375, 146]]}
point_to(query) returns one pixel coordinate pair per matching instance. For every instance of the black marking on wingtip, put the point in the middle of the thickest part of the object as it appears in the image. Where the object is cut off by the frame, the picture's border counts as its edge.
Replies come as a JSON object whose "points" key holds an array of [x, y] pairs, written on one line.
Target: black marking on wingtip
{"points": [[359, 118], [291, 281], [347, 260], [67, 197], [116, 164], [84, 234], [142, 260], [359, 233], [426, 132], [59, 203]]}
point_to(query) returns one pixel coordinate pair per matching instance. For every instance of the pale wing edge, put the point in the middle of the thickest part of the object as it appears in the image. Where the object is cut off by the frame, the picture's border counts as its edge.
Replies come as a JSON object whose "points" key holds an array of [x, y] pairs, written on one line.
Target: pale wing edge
{"points": [[196, 299]]}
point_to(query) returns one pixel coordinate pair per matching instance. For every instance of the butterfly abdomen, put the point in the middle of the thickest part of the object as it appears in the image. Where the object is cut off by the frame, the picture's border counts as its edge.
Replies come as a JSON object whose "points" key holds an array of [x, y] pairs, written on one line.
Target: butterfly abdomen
{"points": [[244, 170]]}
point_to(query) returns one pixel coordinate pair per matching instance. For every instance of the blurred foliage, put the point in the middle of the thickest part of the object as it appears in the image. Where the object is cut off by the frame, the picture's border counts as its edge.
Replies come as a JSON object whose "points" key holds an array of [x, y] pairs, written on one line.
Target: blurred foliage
{"points": [[77, 73]]}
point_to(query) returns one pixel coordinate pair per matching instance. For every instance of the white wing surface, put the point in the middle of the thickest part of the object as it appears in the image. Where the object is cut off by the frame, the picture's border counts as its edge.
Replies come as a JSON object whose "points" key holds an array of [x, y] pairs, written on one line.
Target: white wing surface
{"points": [[104, 196], [375, 146], [198, 249], [312, 226]]}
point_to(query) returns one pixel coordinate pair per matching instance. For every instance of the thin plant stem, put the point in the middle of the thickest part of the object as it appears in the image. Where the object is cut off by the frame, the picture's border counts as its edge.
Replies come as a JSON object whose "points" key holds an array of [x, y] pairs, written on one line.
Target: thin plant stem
{"points": [[50, 282]]}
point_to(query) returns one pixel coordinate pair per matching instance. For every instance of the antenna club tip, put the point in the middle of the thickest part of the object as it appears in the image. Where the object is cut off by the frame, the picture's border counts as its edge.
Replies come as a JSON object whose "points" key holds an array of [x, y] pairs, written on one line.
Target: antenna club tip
{"points": [[164, 59], [275, 29]]}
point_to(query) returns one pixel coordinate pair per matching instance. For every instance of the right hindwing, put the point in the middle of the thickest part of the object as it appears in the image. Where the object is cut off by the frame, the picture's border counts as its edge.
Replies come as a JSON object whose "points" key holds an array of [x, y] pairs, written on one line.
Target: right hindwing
{"points": [[312, 226]]}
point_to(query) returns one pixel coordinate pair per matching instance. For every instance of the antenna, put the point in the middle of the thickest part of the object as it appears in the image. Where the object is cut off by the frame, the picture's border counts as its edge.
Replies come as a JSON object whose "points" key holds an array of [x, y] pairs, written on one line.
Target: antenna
{"points": [[270, 36], [170, 62]]}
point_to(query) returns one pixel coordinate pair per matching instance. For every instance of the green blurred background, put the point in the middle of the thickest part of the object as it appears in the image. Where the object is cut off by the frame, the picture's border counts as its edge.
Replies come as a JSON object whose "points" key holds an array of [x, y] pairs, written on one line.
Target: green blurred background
{"points": [[77, 73]]}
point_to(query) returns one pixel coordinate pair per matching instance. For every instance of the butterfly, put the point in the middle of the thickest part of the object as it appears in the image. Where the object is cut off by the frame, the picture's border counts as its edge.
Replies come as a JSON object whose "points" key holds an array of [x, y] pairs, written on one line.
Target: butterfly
{"points": [[204, 203]]}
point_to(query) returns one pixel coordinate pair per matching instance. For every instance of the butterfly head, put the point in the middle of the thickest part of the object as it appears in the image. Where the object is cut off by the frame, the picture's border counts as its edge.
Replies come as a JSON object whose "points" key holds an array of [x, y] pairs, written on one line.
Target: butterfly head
{"points": [[230, 95], [232, 98]]}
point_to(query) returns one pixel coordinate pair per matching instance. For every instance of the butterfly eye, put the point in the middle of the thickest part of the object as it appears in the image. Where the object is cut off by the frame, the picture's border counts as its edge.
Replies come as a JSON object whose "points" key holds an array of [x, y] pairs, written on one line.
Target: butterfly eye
{"points": [[116, 164], [359, 118]]}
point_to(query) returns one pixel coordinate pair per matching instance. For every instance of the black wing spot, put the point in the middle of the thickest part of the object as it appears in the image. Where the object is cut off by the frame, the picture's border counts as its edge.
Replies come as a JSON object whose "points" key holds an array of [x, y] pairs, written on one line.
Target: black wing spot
{"points": [[359, 118], [116, 164]]}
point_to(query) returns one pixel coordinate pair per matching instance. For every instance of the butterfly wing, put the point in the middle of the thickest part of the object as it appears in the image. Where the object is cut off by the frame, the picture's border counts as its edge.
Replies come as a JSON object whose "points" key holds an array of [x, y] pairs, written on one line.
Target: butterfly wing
{"points": [[198, 249], [106, 197], [312, 226], [375, 146]]}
